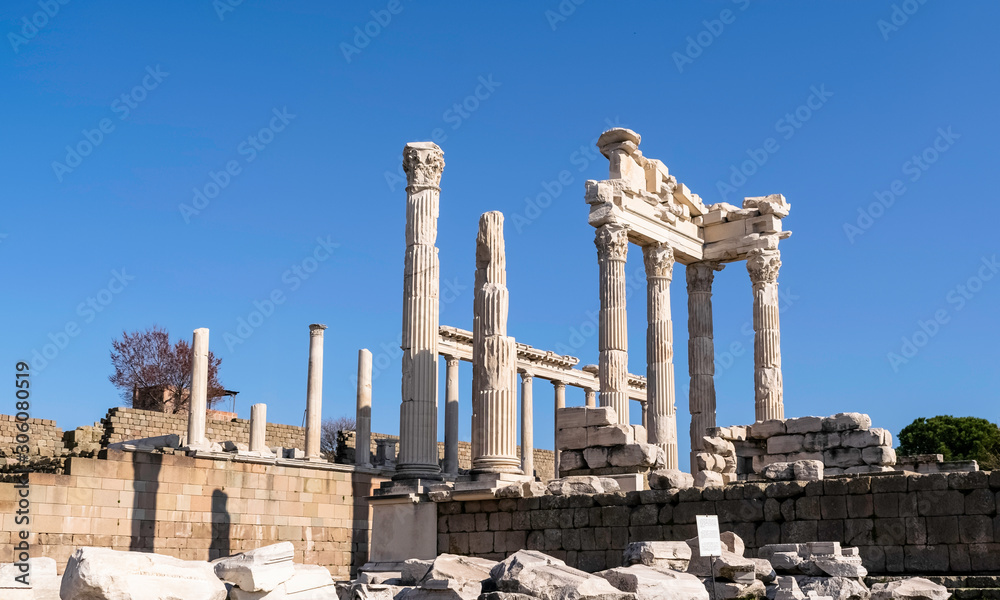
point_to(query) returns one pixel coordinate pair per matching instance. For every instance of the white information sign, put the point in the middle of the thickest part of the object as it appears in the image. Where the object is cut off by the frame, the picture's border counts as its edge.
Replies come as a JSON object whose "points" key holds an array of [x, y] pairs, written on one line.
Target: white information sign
{"points": [[709, 543]]}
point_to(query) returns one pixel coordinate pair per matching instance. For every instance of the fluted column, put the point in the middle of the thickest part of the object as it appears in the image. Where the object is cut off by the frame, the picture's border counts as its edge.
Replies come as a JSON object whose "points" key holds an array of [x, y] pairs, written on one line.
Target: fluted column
{"points": [[560, 402], [198, 403], [363, 419], [763, 266], [258, 427], [494, 355], [423, 163], [659, 410], [590, 398], [314, 391], [451, 416], [644, 406], [701, 352], [612, 246], [527, 425]]}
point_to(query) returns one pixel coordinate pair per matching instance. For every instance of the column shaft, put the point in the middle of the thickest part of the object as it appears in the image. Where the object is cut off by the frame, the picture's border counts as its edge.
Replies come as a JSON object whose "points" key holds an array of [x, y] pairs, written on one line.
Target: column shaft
{"points": [[314, 392], [258, 427], [560, 402], [363, 419], [591, 398], [763, 266], [451, 416], [612, 246], [527, 426], [198, 403], [660, 407], [701, 352]]}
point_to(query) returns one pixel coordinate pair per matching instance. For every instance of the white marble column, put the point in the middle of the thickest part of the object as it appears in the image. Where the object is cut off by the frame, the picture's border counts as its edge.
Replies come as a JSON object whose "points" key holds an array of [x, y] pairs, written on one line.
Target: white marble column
{"points": [[644, 406], [198, 403], [258, 427], [527, 425], [363, 418], [661, 422], [560, 402], [494, 360], [701, 352], [612, 246], [423, 163], [314, 392], [590, 398], [763, 266], [451, 416]]}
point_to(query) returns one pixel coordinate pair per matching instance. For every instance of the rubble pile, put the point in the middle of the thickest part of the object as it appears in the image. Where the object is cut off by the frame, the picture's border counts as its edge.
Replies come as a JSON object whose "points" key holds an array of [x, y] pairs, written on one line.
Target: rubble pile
{"points": [[716, 464], [592, 442]]}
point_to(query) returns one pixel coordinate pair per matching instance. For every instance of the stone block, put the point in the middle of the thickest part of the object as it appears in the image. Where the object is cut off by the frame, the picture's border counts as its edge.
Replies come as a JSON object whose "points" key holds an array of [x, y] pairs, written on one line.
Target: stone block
{"points": [[260, 570], [704, 479], [940, 503], [573, 439], [640, 434], [760, 462], [846, 422], [780, 471], [572, 417], [975, 529], [804, 425], [818, 442], [926, 559], [971, 480], [610, 435], [985, 557], [633, 455], [833, 507], [705, 461], [651, 584], [717, 445], [913, 588], [889, 532], [785, 444], [668, 555], [808, 470], [548, 578], [596, 457], [860, 506], [842, 457], [579, 485], [670, 479], [766, 429], [571, 460], [103, 573], [879, 455], [885, 505], [862, 438], [980, 502]]}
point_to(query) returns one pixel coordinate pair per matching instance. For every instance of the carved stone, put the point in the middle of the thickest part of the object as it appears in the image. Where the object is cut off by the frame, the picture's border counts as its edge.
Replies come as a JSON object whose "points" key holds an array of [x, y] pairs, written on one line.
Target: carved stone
{"points": [[659, 410], [701, 351], [612, 246], [763, 266], [314, 392]]}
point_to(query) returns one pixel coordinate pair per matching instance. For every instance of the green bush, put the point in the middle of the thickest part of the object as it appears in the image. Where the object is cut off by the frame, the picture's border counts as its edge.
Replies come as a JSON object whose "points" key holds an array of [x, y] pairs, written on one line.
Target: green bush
{"points": [[956, 438]]}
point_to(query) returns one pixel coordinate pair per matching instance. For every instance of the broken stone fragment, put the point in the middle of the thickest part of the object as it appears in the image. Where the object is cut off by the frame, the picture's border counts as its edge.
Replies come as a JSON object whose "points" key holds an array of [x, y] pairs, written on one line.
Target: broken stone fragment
{"points": [[670, 479], [838, 588], [779, 471], [633, 455], [414, 570], [846, 422], [542, 576], [808, 470], [310, 582], [914, 588], [462, 568], [655, 584], [660, 555], [704, 479], [582, 484], [717, 445], [596, 457], [99, 573], [258, 570], [726, 590]]}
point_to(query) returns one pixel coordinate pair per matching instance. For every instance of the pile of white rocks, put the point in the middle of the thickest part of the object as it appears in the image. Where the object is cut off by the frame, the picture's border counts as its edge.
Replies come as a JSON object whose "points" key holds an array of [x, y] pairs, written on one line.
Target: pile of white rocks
{"points": [[843, 443], [716, 464], [591, 441]]}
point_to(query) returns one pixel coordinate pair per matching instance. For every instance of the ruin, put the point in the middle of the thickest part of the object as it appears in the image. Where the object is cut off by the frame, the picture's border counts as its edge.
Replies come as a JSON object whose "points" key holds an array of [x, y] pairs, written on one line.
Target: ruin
{"points": [[820, 503]]}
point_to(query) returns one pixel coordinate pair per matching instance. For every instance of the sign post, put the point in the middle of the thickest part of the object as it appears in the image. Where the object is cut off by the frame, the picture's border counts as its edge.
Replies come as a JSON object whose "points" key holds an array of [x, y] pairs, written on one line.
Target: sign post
{"points": [[709, 543]]}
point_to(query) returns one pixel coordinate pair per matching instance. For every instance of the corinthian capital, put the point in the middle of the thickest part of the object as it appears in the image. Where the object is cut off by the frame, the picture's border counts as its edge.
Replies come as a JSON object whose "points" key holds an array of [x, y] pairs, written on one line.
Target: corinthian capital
{"points": [[700, 275], [659, 260], [763, 265], [612, 242], [423, 163]]}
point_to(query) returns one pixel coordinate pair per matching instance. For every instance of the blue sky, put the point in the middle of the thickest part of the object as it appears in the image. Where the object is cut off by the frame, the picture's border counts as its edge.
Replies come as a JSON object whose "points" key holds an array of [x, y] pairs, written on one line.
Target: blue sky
{"points": [[293, 120]]}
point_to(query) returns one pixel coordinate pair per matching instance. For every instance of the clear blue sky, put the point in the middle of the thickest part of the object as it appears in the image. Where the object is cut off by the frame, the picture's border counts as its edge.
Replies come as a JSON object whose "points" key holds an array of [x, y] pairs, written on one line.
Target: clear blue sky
{"points": [[702, 86]]}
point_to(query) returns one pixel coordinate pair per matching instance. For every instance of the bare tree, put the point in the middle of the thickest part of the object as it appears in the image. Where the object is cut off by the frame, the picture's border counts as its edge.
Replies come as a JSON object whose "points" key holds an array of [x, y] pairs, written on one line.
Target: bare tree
{"points": [[328, 437], [153, 373]]}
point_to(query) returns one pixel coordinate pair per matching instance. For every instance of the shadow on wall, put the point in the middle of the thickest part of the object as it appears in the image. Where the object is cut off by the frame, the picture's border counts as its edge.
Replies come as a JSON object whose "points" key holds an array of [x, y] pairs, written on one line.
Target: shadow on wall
{"points": [[360, 489], [145, 485], [221, 525]]}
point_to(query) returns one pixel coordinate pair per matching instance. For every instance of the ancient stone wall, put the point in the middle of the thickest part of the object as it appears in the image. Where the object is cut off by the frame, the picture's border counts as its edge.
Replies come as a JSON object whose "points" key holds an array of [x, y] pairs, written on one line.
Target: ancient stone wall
{"points": [[123, 424], [194, 508], [45, 438], [916, 524]]}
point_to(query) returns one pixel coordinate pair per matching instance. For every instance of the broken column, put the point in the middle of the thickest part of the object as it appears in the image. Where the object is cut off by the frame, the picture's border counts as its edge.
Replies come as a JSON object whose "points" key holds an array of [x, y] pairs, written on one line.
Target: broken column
{"points": [[198, 402], [258, 427], [451, 416], [423, 163], [661, 428], [763, 266], [612, 246], [527, 425], [559, 388], [363, 417], [701, 351], [314, 392], [590, 399], [494, 360]]}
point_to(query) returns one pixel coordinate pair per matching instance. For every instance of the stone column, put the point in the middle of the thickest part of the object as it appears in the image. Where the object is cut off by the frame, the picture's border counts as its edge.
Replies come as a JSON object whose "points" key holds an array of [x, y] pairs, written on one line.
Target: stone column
{"points": [[527, 425], [644, 405], [763, 266], [451, 416], [560, 402], [591, 398], [612, 245], [701, 352], [659, 406], [423, 163], [258, 427], [314, 392], [494, 360], [363, 419], [198, 402]]}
